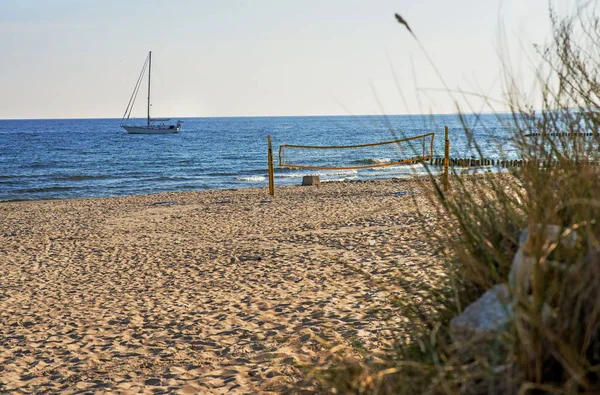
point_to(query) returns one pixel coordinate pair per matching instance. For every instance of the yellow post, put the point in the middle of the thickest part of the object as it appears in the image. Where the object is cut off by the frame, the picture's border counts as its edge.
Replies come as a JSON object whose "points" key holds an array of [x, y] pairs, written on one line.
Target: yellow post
{"points": [[271, 169], [446, 161]]}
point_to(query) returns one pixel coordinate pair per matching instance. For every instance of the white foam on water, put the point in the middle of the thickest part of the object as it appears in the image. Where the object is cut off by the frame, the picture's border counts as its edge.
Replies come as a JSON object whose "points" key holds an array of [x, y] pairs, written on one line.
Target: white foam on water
{"points": [[289, 175], [252, 178], [332, 173], [339, 179], [324, 173], [405, 167], [373, 161], [381, 160]]}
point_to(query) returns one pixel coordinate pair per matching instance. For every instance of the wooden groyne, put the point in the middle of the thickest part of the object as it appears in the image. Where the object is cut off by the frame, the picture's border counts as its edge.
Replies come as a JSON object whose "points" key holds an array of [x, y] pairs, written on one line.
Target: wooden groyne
{"points": [[481, 162], [561, 134]]}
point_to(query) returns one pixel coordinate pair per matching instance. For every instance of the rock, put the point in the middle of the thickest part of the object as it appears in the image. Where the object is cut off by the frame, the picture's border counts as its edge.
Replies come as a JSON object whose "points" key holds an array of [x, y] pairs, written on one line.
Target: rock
{"points": [[311, 180], [485, 319], [551, 234], [483, 322], [521, 272]]}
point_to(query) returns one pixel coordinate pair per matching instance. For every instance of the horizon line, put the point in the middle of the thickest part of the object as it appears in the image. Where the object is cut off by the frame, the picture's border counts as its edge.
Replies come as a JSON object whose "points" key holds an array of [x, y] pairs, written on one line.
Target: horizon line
{"points": [[260, 116]]}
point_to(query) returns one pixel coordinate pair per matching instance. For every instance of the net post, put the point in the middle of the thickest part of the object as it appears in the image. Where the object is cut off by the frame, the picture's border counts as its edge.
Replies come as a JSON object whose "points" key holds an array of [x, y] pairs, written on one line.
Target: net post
{"points": [[431, 145], [446, 160], [271, 169]]}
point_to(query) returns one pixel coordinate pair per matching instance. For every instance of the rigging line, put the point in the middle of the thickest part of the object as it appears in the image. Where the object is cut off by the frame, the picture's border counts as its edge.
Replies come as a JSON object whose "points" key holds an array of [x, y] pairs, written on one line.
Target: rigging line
{"points": [[134, 93], [137, 91]]}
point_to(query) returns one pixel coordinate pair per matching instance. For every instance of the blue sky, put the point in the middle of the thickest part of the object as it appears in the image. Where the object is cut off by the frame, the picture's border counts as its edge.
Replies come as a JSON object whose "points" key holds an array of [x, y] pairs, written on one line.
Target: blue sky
{"points": [[81, 58]]}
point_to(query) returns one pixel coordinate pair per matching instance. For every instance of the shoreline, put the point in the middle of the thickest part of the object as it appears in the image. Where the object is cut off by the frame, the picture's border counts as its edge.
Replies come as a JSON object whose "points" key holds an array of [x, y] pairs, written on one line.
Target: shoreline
{"points": [[226, 290], [416, 177]]}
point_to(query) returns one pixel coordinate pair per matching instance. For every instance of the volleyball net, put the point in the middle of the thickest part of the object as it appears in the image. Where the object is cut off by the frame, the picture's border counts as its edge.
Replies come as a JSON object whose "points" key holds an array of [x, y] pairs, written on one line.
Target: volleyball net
{"points": [[361, 156]]}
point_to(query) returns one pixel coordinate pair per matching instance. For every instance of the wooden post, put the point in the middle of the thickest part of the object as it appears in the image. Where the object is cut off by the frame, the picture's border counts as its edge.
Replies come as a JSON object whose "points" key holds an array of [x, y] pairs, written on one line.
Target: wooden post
{"points": [[446, 160], [271, 169]]}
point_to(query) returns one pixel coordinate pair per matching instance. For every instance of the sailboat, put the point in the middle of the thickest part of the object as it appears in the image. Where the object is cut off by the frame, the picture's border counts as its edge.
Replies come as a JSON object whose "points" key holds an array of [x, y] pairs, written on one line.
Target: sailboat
{"points": [[153, 125]]}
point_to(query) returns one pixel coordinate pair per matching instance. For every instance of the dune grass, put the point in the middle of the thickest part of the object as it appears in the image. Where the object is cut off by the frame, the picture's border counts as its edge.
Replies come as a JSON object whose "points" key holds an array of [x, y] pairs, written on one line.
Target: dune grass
{"points": [[553, 342]]}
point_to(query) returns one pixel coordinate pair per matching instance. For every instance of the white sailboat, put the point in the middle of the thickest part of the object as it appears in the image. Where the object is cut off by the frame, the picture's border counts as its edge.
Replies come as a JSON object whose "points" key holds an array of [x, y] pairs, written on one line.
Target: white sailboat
{"points": [[153, 125]]}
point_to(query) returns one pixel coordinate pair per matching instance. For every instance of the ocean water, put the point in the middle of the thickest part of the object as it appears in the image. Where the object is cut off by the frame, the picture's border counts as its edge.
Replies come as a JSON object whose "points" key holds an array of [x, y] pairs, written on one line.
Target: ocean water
{"points": [[80, 158]]}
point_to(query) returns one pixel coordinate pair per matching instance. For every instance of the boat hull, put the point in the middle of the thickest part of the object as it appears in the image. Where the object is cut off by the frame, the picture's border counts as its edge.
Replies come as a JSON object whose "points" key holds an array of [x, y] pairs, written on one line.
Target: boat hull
{"points": [[151, 130]]}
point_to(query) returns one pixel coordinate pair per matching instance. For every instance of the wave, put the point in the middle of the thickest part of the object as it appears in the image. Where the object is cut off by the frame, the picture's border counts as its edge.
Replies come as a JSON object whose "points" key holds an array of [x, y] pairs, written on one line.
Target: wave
{"points": [[326, 173], [405, 167], [284, 170], [257, 171], [80, 177], [373, 161], [37, 165], [174, 178], [340, 179], [251, 178], [42, 189], [297, 175], [350, 173], [221, 174], [289, 173]]}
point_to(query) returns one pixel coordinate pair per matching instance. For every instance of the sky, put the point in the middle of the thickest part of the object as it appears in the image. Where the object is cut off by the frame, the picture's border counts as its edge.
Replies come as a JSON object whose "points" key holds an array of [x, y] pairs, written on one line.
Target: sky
{"points": [[81, 58]]}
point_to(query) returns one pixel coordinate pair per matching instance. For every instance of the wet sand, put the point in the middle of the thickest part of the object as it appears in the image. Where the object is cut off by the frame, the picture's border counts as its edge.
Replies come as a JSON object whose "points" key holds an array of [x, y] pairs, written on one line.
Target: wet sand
{"points": [[205, 292]]}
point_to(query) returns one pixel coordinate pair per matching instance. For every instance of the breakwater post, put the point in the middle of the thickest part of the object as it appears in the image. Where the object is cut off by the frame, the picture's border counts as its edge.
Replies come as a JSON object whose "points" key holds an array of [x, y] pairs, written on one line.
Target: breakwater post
{"points": [[505, 163], [271, 168], [446, 160]]}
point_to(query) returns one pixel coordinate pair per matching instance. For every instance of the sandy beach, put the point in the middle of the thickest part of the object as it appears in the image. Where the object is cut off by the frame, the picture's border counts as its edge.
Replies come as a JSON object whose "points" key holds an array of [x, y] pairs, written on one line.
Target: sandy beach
{"points": [[204, 292]]}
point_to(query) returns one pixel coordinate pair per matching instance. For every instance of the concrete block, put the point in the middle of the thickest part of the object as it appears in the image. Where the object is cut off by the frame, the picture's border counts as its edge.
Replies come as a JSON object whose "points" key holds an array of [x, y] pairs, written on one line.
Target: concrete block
{"points": [[311, 180]]}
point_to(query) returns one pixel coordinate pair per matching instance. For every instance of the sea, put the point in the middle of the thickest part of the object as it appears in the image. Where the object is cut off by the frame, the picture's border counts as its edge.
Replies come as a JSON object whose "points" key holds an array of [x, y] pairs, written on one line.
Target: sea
{"points": [[88, 158]]}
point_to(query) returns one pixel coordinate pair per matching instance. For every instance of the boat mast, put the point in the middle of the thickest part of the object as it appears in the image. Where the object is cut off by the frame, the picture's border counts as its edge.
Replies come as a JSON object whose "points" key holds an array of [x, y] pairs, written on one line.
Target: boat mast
{"points": [[149, 71]]}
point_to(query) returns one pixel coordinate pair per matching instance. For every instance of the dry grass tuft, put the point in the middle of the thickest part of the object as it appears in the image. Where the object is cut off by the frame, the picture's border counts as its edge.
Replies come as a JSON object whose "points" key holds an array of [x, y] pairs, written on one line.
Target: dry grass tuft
{"points": [[553, 342]]}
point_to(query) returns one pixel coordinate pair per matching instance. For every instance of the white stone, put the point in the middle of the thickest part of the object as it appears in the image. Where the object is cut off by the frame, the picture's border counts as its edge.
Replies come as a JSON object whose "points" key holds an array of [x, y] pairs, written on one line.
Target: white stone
{"points": [[552, 234], [485, 318], [521, 272]]}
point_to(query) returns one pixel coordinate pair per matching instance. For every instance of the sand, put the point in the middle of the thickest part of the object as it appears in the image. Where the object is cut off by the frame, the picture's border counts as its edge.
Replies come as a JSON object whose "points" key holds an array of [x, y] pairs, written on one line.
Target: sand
{"points": [[205, 292]]}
